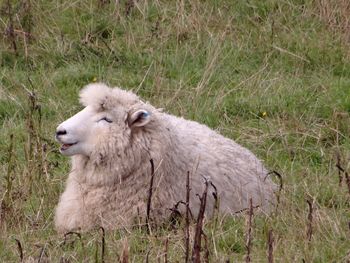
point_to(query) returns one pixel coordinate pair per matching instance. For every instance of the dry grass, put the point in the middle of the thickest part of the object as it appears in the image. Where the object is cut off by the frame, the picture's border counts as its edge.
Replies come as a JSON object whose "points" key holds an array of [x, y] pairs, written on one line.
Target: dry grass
{"points": [[273, 75], [336, 14]]}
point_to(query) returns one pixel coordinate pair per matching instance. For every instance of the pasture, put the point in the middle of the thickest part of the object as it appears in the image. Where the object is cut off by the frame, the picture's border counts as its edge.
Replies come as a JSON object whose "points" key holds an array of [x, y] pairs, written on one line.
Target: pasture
{"points": [[272, 75]]}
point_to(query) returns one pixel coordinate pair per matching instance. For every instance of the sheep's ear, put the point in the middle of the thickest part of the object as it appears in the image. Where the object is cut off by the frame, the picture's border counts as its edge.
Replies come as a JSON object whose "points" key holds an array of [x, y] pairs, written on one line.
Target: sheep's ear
{"points": [[139, 118]]}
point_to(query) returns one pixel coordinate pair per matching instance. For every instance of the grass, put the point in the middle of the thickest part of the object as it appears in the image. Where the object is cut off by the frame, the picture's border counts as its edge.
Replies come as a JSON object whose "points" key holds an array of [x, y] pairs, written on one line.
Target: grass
{"points": [[272, 75]]}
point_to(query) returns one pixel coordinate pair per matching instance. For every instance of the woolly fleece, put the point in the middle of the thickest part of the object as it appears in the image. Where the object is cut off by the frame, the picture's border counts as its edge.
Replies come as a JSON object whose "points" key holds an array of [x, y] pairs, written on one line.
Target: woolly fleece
{"points": [[109, 187]]}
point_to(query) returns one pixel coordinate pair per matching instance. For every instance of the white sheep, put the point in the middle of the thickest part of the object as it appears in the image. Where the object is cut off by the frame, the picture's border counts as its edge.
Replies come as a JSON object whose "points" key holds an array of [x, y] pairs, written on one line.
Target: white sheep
{"points": [[112, 141]]}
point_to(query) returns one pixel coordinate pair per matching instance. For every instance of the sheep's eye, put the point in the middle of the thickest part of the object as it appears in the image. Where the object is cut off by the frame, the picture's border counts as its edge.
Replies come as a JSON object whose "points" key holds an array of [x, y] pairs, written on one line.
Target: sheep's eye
{"points": [[106, 119]]}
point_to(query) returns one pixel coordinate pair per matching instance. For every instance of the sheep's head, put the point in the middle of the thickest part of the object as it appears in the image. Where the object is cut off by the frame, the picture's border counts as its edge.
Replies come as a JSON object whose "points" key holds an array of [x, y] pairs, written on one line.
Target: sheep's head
{"points": [[107, 122]]}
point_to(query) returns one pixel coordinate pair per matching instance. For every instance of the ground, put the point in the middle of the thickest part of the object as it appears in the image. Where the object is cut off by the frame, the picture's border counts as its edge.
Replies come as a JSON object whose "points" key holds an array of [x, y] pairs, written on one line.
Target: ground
{"points": [[272, 75]]}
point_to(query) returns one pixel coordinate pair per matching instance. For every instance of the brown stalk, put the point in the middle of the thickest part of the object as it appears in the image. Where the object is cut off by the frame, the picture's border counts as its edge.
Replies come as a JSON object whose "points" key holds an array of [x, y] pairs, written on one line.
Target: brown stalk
{"points": [[187, 226], [310, 219], [270, 241], [149, 198], [206, 248], [147, 255], [20, 249], [216, 200], [10, 170], [347, 178], [340, 170], [166, 250], [34, 147], [10, 29], [279, 176], [199, 226], [249, 234], [103, 245]]}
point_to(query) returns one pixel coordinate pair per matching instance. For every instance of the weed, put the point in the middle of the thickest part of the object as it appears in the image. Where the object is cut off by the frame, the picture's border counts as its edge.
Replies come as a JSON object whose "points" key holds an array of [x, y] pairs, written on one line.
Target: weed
{"points": [[272, 75]]}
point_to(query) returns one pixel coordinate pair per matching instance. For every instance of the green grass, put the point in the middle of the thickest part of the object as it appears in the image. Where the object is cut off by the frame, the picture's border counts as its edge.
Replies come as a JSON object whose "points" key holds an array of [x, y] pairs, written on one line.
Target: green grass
{"points": [[272, 75]]}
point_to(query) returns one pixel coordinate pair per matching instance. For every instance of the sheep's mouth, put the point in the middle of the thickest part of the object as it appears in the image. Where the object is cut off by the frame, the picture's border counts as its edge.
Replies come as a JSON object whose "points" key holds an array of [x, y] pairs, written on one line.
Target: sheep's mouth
{"points": [[66, 146]]}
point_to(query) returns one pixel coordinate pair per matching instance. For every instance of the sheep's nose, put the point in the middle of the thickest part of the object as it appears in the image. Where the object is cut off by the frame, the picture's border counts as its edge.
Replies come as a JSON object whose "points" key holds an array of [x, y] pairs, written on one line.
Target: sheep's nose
{"points": [[61, 132]]}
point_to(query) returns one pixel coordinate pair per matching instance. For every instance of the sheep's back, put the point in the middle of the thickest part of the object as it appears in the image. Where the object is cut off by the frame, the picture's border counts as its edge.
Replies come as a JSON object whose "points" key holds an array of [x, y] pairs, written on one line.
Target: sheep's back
{"points": [[235, 171]]}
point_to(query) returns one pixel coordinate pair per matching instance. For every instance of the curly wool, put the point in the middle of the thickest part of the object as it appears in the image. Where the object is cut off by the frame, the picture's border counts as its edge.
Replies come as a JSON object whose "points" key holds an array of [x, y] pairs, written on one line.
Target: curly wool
{"points": [[110, 187]]}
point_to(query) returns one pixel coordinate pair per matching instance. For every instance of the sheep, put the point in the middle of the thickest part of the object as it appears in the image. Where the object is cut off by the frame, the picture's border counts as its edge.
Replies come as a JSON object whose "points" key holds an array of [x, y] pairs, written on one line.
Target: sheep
{"points": [[112, 142]]}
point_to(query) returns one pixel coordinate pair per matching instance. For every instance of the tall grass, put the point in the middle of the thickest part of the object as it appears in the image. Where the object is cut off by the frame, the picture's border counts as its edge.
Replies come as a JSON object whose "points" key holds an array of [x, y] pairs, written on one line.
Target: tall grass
{"points": [[272, 75]]}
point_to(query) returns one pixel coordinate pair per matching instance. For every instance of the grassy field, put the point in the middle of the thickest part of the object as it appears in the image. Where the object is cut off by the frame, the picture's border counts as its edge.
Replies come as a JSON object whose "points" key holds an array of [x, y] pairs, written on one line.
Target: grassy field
{"points": [[272, 75]]}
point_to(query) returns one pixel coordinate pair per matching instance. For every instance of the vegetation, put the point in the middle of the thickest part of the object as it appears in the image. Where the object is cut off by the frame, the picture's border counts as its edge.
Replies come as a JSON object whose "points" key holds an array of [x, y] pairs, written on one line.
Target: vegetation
{"points": [[272, 75]]}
